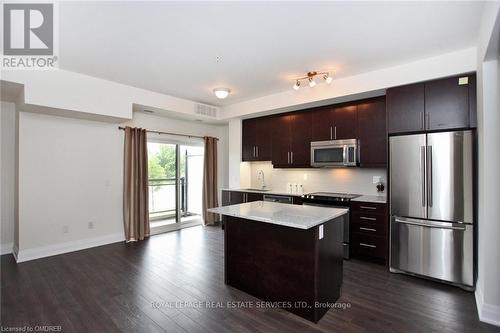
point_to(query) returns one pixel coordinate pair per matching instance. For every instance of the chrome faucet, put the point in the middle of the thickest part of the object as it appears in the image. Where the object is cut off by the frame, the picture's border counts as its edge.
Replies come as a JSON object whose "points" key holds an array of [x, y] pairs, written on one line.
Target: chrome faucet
{"points": [[260, 176]]}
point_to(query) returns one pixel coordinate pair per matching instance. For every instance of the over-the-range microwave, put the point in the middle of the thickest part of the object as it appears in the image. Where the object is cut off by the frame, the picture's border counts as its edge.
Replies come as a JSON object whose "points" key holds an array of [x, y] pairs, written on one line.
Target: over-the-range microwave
{"points": [[334, 153]]}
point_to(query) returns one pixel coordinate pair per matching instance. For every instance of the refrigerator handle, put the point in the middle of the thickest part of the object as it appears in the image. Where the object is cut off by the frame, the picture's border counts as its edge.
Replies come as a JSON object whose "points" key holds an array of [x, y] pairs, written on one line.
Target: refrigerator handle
{"points": [[430, 225], [422, 170], [429, 175]]}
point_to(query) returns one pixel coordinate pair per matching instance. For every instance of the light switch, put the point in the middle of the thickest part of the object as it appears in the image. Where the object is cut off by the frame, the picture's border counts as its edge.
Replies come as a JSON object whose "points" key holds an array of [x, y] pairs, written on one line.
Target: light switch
{"points": [[321, 232], [463, 80]]}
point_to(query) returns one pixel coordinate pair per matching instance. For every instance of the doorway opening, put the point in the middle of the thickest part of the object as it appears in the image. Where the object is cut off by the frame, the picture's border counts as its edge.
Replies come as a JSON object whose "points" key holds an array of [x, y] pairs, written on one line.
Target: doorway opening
{"points": [[175, 184]]}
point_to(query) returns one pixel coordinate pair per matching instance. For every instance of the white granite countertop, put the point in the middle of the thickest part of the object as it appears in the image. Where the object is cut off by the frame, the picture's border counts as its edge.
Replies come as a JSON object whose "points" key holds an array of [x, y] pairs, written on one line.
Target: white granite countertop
{"points": [[295, 216], [372, 198], [263, 192]]}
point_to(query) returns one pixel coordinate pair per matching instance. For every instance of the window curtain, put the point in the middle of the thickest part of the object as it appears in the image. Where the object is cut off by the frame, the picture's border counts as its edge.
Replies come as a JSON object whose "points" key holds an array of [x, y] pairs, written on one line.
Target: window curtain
{"points": [[135, 185], [210, 180]]}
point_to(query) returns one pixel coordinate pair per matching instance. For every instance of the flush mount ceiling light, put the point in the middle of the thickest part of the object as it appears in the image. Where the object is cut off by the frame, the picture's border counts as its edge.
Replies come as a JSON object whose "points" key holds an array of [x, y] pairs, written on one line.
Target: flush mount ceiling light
{"points": [[221, 93], [310, 78]]}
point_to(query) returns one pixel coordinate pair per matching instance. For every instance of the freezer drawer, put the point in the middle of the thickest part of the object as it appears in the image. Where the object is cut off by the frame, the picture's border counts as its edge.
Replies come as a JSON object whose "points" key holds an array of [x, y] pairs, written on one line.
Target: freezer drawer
{"points": [[439, 250]]}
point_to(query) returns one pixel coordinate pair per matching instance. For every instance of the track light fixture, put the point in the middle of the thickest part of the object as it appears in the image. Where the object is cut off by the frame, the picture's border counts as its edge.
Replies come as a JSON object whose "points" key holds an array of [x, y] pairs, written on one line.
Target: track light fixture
{"points": [[310, 78]]}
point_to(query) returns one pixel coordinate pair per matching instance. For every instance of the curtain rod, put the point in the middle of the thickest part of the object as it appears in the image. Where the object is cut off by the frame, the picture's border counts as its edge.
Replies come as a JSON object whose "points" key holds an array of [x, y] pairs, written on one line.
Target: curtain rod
{"points": [[169, 133]]}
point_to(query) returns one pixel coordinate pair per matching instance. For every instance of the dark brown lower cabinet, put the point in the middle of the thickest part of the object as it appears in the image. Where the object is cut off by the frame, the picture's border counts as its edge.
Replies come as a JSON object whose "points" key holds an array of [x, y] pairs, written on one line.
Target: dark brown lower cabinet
{"points": [[292, 267], [369, 231]]}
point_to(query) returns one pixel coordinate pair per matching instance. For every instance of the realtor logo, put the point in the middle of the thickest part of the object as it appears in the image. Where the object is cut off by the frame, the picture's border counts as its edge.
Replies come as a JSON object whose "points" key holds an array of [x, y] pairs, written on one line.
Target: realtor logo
{"points": [[30, 35], [28, 29]]}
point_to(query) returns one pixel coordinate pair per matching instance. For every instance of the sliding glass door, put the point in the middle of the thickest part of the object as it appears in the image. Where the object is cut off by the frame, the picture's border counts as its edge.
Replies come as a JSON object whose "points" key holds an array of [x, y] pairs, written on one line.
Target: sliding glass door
{"points": [[175, 184]]}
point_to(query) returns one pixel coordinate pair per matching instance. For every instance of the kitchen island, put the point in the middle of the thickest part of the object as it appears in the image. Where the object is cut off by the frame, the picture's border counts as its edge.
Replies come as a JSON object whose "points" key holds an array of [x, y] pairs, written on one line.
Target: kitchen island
{"points": [[289, 255]]}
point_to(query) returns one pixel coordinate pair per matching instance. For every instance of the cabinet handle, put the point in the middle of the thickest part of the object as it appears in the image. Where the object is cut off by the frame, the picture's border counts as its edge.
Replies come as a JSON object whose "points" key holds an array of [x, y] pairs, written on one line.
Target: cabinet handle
{"points": [[335, 132], [422, 120], [367, 245], [253, 151], [288, 157], [257, 150], [367, 218], [291, 157], [367, 207], [428, 116], [331, 133], [367, 229]]}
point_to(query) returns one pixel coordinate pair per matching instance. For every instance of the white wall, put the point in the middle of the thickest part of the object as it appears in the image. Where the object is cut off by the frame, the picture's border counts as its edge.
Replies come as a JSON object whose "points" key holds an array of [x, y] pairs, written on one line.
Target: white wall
{"points": [[352, 180], [8, 175], [70, 173], [488, 285]]}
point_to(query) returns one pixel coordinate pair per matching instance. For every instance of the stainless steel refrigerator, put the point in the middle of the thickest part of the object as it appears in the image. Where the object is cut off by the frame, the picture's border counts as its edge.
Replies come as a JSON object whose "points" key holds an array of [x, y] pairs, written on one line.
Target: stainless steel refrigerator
{"points": [[431, 205]]}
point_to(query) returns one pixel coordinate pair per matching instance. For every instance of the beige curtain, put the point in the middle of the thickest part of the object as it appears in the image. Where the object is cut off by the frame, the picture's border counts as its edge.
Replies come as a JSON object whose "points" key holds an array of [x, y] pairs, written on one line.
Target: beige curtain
{"points": [[210, 180], [135, 185]]}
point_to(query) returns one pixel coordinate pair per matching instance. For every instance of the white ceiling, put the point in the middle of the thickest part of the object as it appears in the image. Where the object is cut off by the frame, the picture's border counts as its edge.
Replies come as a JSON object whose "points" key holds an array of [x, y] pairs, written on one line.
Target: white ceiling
{"points": [[172, 47]]}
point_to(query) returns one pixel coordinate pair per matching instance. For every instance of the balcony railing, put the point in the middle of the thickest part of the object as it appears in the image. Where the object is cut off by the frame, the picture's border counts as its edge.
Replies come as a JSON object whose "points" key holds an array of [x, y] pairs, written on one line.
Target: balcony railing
{"points": [[162, 198]]}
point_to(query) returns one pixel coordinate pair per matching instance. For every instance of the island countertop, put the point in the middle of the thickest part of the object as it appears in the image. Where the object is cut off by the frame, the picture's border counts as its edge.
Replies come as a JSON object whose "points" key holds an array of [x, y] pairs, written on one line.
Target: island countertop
{"points": [[294, 216]]}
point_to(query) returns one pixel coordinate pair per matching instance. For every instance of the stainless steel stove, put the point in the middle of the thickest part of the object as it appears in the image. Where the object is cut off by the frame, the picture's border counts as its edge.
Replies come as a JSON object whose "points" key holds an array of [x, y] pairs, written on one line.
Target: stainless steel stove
{"points": [[320, 197], [334, 200]]}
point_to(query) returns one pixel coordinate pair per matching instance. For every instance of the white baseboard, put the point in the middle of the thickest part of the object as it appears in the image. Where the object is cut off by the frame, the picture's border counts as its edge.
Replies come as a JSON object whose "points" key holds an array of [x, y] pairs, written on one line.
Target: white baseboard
{"points": [[52, 250], [7, 248], [488, 313]]}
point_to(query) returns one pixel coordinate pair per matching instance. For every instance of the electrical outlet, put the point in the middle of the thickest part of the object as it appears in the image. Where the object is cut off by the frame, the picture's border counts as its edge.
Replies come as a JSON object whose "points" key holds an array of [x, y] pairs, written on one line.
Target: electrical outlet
{"points": [[91, 225], [65, 229], [376, 179]]}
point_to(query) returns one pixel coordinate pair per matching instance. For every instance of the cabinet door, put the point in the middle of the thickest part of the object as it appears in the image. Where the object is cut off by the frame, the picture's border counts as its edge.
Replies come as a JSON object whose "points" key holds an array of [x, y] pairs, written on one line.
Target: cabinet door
{"points": [[472, 101], [372, 133], [252, 196], [226, 195], [301, 139], [447, 104], [405, 108], [248, 140], [281, 141], [344, 122], [265, 128], [322, 124], [236, 197]]}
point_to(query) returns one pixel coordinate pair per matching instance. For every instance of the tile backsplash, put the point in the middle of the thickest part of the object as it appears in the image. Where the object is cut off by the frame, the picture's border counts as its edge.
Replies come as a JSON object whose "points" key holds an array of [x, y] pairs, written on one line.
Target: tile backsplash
{"points": [[352, 180]]}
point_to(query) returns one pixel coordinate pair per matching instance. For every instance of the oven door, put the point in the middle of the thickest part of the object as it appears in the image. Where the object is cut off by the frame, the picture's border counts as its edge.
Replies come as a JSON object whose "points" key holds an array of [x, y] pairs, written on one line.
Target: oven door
{"points": [[323, 155]]}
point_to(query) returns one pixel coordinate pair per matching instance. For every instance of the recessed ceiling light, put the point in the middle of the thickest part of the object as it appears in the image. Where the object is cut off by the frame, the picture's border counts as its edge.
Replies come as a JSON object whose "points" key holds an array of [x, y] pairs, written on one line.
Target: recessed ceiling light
{"points": [[221, 93]]}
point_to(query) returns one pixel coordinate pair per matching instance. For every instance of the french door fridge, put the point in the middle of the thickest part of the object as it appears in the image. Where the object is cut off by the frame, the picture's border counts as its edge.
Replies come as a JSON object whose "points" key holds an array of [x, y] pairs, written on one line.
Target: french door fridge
{"points": [[431, 204]]}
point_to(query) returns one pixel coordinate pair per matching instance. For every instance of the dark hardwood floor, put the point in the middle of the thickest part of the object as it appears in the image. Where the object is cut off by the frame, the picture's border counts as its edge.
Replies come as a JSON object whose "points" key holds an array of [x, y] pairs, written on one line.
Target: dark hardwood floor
{"points": [[135, 287]]}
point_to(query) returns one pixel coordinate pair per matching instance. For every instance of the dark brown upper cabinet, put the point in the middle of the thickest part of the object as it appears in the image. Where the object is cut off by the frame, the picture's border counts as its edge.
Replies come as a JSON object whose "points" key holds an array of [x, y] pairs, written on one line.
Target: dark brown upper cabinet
{"points": [[322, 124], [301, 139], [248, 139], [443, 104], [372, 133], [472, 101], [405, 108], [334, 123], [292, 140], [447, 103], [344, 122], [256, 139]]}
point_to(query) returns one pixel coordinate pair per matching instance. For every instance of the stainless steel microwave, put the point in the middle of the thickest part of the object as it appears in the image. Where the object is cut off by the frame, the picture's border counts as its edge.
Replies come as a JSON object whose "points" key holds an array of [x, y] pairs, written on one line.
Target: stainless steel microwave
{"points": [[334, 153]]}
